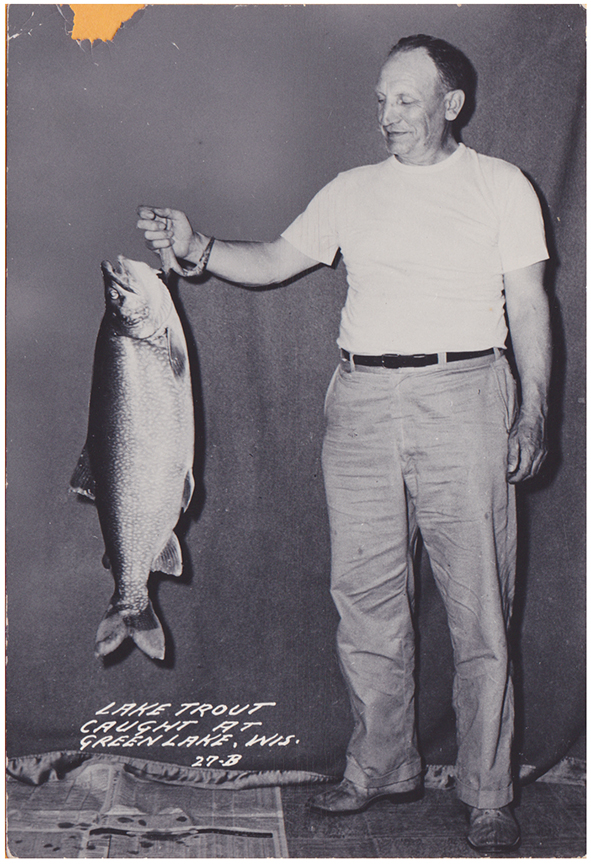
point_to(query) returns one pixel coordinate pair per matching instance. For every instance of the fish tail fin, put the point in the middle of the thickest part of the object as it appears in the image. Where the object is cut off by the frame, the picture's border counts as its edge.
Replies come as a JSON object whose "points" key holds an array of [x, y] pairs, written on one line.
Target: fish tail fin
{"points": [[143, 627], [147, 633], [111, 632]]}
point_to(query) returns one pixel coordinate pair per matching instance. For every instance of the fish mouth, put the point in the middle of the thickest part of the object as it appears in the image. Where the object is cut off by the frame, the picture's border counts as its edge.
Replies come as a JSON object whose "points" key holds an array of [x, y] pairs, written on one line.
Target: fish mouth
{"points": [[120, 275], [134, 297]]}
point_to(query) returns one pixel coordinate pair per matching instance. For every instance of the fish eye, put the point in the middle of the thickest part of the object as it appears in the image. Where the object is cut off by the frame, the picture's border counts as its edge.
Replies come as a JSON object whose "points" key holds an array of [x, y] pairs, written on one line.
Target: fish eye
{"points": [[113, 293]]}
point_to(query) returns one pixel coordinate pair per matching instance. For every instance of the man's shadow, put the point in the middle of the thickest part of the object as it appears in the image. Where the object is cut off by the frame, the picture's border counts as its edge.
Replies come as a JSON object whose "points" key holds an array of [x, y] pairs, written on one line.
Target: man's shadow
{"points": [[544, 478]]}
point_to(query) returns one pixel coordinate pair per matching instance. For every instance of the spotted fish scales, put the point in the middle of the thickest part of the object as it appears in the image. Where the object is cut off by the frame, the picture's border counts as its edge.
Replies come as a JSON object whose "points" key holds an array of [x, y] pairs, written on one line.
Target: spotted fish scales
{"points": [[137, 461]]}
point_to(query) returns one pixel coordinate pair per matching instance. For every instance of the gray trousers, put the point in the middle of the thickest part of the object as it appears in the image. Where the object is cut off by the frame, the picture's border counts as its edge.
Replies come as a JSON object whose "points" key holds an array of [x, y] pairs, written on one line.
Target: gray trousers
{"points": [[423, 448]]}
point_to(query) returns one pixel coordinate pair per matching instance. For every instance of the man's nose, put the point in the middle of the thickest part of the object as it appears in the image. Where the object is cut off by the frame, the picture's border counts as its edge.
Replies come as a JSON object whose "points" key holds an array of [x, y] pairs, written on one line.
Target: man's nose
{"points": [[389, 113]]}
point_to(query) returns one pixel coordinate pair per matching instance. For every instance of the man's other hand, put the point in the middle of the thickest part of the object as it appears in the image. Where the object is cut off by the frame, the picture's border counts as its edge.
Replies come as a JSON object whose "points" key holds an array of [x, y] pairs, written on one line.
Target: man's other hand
{"points": [[527, 447]]}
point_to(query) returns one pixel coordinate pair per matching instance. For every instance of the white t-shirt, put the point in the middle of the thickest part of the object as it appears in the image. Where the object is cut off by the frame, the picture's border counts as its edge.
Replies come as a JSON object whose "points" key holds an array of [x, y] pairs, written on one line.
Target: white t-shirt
{"points": [[425, 249]]}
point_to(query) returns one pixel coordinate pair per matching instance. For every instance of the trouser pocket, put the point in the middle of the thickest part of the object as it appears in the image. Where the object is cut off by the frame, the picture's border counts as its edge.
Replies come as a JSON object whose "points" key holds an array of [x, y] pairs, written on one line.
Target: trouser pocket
{"points": [[506, 389]]}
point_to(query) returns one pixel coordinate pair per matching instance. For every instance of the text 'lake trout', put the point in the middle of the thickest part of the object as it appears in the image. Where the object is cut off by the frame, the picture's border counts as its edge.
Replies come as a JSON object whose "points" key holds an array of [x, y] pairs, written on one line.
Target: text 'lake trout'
{"points": [[137, 461]]}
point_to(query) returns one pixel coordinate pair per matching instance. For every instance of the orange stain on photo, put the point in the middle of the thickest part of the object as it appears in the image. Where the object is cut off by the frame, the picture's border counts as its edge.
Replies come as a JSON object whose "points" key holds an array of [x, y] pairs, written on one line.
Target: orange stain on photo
{"points": [[101, 20]]}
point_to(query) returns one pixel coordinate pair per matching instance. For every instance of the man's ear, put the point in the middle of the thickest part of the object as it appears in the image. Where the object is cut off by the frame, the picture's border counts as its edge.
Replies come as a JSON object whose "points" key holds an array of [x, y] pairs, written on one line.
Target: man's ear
{"points": [[453, 101]]}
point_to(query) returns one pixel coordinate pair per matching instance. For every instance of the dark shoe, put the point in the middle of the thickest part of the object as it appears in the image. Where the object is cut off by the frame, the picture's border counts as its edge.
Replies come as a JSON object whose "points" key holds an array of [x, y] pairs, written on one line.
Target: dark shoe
{"points": [[493, 830], [349, 798]]}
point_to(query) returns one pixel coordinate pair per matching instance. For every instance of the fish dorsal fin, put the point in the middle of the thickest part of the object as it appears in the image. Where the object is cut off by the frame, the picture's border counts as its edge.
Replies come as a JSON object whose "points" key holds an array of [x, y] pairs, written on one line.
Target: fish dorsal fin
{"points": [[188, 490], [170, 560], [83, 482], [177, 351]]}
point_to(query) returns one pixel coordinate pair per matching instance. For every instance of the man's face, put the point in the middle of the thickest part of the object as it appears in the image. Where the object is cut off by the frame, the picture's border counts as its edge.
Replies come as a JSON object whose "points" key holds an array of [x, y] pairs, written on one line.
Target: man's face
{"points": [[413, 110]]}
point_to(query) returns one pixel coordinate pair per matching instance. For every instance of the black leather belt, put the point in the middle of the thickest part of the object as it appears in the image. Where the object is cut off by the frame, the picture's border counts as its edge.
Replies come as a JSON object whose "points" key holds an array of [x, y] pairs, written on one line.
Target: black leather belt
{"points": [[402, 361]]}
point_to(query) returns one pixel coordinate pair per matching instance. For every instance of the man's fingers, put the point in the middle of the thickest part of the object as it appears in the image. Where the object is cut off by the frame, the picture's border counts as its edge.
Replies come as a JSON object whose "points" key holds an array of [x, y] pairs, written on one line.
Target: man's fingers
{"points": [[156, 233], [145, 212], [513, 457], [521, 461], [526, 447], [521, 474], [538, 462], [530, 461], [160, 243], [157, 224]]}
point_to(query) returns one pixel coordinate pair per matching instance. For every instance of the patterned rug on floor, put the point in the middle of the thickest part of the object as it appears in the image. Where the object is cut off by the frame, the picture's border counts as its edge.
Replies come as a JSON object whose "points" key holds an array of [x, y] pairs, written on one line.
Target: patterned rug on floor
{"points": [[103, 811]]}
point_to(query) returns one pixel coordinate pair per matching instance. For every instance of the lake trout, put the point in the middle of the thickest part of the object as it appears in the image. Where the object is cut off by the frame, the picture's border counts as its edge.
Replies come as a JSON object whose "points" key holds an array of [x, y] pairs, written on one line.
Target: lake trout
{"points": [[137, 461]]}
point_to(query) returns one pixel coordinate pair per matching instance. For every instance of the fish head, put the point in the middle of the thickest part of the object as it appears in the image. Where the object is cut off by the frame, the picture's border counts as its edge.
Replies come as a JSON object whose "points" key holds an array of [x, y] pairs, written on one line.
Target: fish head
{"points": [[136, 298]]}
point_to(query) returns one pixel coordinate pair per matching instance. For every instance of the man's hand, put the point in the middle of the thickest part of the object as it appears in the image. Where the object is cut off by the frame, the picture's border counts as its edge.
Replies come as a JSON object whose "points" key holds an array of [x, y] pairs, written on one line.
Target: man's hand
{"points": [[165, 227], [527, 447]]}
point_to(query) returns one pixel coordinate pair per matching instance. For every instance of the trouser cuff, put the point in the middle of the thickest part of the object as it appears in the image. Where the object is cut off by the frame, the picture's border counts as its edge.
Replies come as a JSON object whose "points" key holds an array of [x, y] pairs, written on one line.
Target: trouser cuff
{"points": [[484, 799], [405, 779]]}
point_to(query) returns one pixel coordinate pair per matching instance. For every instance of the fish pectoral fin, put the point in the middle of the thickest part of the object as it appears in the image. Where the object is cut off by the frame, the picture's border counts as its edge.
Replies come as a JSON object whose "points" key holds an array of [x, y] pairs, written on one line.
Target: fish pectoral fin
{"points": [[170, 560], [188, 490], [82, 481], [177, 352], [143, 627]]}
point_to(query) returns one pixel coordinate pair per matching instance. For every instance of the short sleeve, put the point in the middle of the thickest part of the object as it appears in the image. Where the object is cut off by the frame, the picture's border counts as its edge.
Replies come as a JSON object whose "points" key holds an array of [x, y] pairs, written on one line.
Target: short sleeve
{"points": [[522, 238], [315, 231]]}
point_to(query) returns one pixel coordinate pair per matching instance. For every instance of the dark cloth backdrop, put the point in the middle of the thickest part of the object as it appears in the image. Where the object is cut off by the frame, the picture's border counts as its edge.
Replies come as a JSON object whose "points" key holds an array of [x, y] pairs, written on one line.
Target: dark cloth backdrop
{"points": [[238, 115]]}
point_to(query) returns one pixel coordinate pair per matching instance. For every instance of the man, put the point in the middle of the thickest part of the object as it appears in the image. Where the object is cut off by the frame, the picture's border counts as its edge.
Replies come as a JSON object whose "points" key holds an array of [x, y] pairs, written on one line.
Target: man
{"points": [[443, 247]]}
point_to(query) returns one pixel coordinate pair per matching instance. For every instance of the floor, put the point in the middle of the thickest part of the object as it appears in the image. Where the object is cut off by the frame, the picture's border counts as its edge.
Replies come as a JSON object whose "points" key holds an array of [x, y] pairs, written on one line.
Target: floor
{"points": [[551, 815], [103, 809]]}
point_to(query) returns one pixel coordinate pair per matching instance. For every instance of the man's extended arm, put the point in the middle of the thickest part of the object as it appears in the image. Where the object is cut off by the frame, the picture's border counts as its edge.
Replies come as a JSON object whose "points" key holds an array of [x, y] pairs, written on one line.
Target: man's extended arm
{"points": [[243, 262], [529, 324]]}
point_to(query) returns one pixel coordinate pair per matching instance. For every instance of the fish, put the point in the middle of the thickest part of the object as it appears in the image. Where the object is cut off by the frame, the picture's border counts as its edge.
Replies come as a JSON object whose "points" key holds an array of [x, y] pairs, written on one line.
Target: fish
{"points": [[137, 462]]}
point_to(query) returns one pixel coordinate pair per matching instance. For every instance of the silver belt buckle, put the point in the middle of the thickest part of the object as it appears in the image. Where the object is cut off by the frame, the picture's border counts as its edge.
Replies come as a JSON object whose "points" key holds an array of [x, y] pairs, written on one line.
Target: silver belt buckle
{"points": [[346, 362]]}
